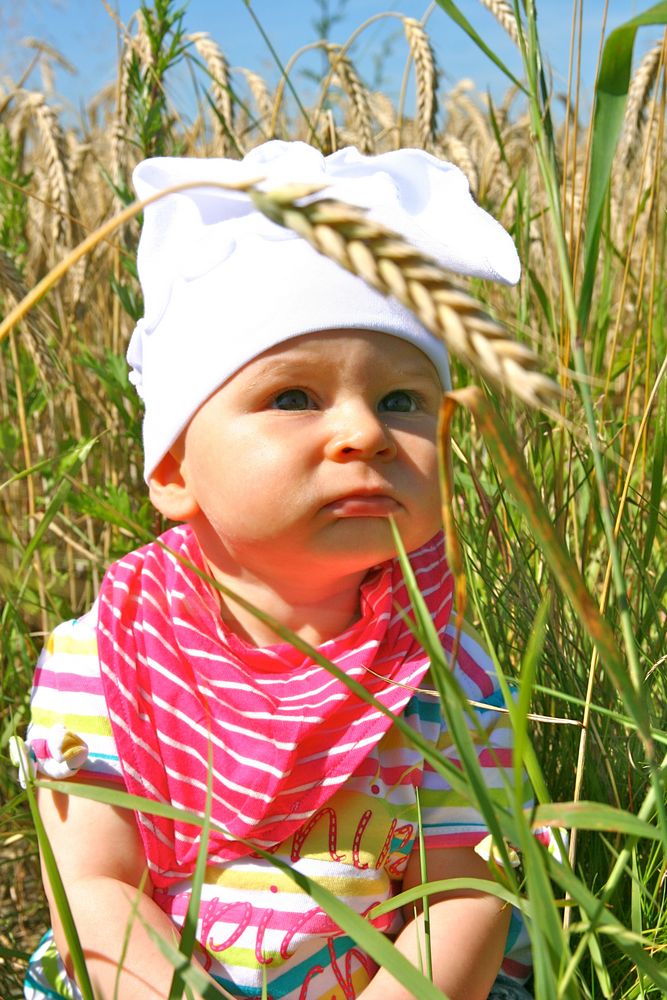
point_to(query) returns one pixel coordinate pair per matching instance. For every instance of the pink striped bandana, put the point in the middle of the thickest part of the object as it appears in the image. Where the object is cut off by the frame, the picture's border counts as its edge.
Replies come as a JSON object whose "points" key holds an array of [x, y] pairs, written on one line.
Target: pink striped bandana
{"points": [[282, 732]]}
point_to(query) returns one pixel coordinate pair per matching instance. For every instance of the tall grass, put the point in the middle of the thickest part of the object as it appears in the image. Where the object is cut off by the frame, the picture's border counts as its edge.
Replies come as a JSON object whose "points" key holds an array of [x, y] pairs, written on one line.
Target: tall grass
{"points": [[557, 519]]}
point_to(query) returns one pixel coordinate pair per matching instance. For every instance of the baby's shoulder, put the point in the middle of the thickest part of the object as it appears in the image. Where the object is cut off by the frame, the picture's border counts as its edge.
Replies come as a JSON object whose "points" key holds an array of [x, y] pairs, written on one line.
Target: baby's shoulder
{"points": [[71, 646], [69, 724]]}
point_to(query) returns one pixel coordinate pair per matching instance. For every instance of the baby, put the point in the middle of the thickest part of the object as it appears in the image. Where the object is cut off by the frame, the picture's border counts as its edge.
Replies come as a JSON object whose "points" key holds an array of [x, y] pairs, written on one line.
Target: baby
{"points": [[290, 413]]}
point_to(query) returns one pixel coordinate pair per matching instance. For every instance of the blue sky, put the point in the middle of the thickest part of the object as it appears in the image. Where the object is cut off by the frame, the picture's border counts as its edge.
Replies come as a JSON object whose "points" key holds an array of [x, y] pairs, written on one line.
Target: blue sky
{"points": [[85, 34]]}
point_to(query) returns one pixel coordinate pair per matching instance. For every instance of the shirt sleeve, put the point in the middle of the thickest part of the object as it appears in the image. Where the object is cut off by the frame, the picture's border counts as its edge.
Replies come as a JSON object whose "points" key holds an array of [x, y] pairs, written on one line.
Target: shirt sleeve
{"points": [[449, 819], [69, 730]]}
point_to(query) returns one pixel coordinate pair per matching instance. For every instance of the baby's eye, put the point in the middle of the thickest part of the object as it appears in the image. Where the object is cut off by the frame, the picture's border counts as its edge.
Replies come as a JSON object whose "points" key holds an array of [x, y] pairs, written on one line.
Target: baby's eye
{"points": [[398, 401], [292, 399]]}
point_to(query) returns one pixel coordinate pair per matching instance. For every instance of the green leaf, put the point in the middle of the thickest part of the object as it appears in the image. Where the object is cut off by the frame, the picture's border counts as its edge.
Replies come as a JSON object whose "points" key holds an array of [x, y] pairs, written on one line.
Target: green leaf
{"points": [[585, 815], [60, 898], [598, 918], [69, 464], [485, 885], [510, 464], [189, 929], [611, 92]]}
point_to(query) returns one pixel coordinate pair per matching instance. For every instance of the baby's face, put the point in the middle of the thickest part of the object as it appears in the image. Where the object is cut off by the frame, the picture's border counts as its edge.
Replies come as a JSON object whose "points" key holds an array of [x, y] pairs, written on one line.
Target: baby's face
{"points": [[297, 462]]}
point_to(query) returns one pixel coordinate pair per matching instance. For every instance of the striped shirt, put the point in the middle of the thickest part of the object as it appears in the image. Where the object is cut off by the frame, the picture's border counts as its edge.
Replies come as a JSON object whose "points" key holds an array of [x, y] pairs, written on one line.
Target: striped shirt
{"points": [[254, 921]]}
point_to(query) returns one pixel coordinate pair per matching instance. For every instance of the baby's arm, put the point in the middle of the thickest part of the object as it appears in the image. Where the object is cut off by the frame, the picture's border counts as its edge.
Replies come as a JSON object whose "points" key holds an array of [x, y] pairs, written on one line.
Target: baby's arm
{"points": [[468, 931], [101, 862]]}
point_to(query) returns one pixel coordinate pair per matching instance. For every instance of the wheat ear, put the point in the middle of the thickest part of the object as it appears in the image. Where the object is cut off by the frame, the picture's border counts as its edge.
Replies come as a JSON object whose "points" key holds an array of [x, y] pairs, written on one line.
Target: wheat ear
{"points": [[12, 285], [394, 267], [260, 93], [355, 90], [383, 112], [427, 80], [504, 15], [218, 70], [454, 149], [56, 171], [141, 42], [638, 91], [118, 141]]}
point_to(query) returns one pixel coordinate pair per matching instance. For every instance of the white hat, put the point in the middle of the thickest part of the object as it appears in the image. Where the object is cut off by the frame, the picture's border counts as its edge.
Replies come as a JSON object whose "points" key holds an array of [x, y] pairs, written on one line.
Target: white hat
{"points": [[222, 283]]}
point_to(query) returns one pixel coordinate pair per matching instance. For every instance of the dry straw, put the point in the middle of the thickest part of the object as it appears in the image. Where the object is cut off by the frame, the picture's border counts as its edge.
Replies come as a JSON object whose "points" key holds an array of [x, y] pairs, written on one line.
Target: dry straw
{"points": [[48, 57]]}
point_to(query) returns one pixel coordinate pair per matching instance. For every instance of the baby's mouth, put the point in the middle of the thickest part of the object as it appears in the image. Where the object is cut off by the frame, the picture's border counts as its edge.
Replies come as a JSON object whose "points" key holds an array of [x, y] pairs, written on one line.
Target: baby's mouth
{"points": [[364, 505]]}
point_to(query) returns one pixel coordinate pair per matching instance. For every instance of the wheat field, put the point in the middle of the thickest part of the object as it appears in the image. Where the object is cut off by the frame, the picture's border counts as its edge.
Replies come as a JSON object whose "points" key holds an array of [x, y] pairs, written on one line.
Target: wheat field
{"points": [[556, 508]]}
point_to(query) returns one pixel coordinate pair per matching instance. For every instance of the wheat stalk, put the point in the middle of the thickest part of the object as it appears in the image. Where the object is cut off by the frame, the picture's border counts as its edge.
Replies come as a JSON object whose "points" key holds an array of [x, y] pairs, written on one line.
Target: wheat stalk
{"points": [[394, 267], [142, 43], [383, 111], [427, 80], [476, 125], [355, 90], [14, 290], [454, 149], [260, 93], [504, 15], [120, 119], [218, 70], [638, 92], [56, 171]]}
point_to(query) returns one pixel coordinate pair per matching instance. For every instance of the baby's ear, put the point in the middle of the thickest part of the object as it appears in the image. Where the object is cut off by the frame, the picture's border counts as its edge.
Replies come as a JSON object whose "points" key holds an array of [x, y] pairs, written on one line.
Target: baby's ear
{"points": [[169, 491]]}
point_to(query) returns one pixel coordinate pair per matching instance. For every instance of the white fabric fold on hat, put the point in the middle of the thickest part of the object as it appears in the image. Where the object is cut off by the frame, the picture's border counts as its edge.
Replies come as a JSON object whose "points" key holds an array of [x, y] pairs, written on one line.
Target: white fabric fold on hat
{"points": [[222, 284]]}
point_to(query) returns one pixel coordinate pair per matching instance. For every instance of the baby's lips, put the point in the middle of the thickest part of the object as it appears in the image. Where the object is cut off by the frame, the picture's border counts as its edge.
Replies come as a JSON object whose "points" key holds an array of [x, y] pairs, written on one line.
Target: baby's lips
{"points": [[364, 505]]}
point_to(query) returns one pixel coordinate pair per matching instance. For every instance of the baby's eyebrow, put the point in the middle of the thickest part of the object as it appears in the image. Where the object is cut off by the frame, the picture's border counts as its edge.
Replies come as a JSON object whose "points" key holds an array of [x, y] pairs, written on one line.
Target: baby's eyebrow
{"points": [[276, 368], [297, 367], [414, 373]]}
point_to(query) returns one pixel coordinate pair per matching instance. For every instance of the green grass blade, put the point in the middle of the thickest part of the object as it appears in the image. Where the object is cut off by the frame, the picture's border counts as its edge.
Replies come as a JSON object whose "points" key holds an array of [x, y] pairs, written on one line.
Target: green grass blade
{"points": [[193, 976], [584, 815], [611, 92], [283, 72], [657, 482], [367, 937], [189, 929], [423, 871], [459, 18], [511, 467], [134, 912], [71, 462], [60, 898], [459, 716], [487, 886], [602, 920]]}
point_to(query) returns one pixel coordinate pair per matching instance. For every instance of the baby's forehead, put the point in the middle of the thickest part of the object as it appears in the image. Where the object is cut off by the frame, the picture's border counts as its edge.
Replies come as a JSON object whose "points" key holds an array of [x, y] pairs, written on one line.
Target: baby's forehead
{"points": [[361, 345]]}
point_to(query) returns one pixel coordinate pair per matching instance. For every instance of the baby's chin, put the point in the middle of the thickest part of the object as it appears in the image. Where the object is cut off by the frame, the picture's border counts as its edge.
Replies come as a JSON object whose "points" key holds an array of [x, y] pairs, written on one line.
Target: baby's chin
{"points": [[370, 542]]}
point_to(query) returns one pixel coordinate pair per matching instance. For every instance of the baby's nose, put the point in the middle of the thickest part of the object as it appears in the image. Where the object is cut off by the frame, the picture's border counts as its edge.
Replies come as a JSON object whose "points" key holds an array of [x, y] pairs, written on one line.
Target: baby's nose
{"points": [[359, 433]]}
